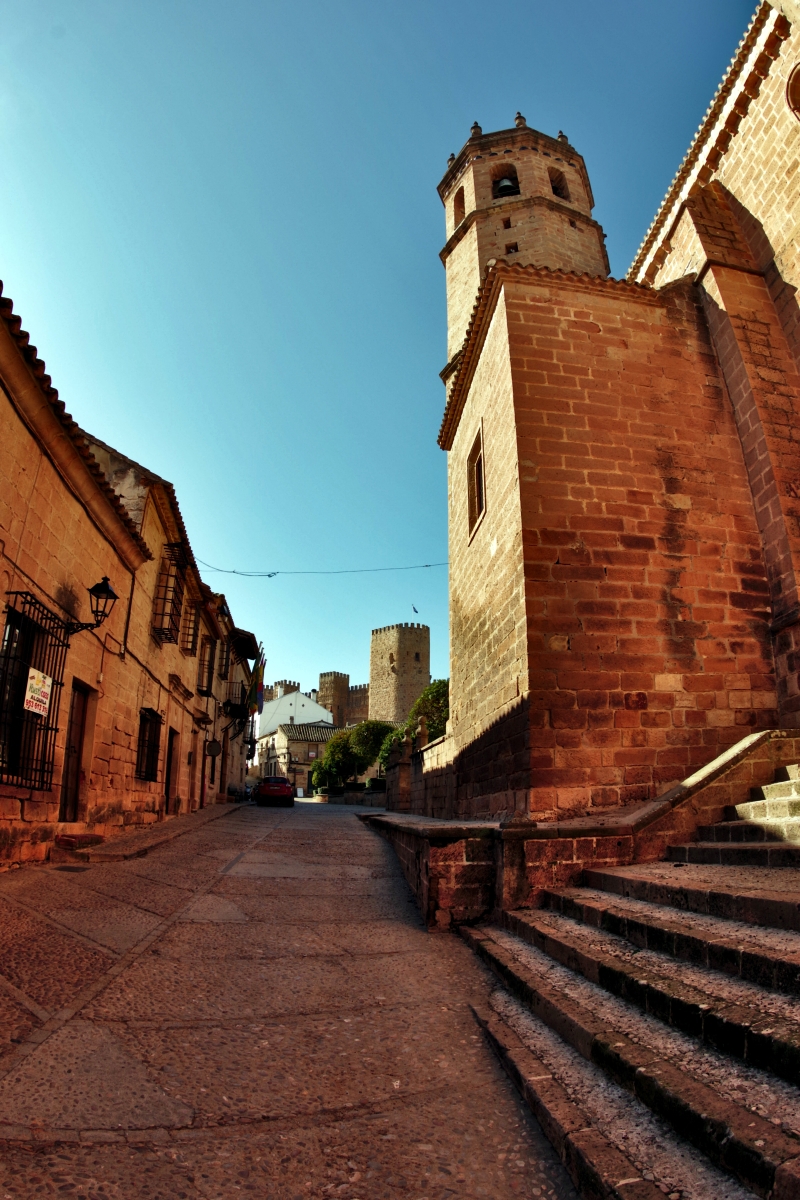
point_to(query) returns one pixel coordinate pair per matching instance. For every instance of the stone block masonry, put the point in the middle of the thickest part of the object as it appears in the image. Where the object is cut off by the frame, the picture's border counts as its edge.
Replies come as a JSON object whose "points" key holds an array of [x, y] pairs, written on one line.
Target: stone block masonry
{"points": [[399, 669], [625, 601], [134, 701]]}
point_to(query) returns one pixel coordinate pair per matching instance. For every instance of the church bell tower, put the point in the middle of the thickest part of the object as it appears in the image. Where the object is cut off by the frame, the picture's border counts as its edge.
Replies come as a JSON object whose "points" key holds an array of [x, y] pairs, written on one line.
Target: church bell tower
{"points": [[517, 195]]}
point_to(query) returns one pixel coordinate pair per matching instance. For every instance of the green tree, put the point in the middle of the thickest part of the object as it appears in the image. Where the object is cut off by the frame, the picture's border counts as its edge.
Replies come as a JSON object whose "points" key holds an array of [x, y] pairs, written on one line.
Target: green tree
{"points": [[321, 776], [350, 752], [386, 746], [434, 705], [340, 759], [366, 739]]}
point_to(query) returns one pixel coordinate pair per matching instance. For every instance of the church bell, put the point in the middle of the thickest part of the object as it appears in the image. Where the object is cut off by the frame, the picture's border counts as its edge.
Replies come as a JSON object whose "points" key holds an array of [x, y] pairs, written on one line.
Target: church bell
{"points": [[507, 187]]}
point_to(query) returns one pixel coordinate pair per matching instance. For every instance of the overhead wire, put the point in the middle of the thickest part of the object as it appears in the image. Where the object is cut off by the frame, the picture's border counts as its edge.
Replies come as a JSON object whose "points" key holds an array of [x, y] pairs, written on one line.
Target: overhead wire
{"points": [[346, 571]]}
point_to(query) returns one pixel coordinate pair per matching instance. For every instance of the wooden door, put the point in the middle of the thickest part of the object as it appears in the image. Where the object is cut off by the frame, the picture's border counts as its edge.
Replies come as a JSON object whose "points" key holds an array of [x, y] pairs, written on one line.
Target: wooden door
{"points": [[169, 773], [73, 755]]}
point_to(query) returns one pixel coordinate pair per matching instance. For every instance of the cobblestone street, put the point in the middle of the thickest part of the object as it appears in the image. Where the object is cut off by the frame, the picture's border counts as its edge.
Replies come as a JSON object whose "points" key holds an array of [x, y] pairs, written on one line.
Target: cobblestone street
{"points": [[253, 1007]]}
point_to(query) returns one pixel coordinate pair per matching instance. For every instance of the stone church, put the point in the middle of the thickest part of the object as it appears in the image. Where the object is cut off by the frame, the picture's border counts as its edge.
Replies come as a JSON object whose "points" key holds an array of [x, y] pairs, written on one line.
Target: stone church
{"points": [[623, 460]]}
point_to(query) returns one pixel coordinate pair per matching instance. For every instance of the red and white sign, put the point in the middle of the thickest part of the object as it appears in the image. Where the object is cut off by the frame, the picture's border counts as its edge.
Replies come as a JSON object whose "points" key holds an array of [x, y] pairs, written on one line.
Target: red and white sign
{"points": [[37, 693]]}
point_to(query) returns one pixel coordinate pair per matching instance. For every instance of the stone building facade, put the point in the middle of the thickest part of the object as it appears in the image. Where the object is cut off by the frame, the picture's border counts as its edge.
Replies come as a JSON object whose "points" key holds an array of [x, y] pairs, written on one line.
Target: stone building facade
{"points": [[623, 460], [137, 701], [292, 749]]}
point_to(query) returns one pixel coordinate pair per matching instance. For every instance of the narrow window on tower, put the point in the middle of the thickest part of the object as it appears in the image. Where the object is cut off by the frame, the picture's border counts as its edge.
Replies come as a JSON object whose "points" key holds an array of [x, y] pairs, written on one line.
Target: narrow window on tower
{"points": [[558, 183], [506, 222], [459, 208], [476, 491]]}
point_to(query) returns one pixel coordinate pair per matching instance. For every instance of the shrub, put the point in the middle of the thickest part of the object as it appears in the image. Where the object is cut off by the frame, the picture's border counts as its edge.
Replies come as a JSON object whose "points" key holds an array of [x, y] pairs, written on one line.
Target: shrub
{"points": [[350, 752], [434, 705], [366, 740]]}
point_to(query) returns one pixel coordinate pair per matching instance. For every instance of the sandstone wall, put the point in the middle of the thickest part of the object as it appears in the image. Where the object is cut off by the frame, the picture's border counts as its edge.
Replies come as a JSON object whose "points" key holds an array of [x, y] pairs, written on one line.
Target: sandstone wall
{"points": [[399, 669], [488, 651], [646, 591], [333, 695], [52, 544]]}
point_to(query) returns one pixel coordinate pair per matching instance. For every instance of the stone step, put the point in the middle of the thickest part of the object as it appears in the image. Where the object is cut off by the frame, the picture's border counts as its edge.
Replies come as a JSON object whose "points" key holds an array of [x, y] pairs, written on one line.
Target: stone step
{"points": [[746, 1122], [735, 1018], [782, 790], [763, 810], [786, 830], [738, 854], [790, 771], [609, 1142], [596, 1166], [752, 895], [766, 957]]}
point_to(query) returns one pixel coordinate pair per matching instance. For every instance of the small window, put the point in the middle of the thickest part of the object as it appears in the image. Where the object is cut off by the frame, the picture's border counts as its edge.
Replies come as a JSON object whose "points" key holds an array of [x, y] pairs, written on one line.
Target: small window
{"points": [[225, 660], [148, 745], [512, 248], [168, 605], [476, 496], [558, 183], [416, 656], [459, 208], [573, 224], [793, 91], [34, 642], [506, 222], [191, 629]]}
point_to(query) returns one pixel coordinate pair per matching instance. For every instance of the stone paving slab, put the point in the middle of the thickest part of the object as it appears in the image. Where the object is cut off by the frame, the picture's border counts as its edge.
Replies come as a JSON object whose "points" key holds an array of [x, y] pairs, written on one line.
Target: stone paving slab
{"points": [[295, 1034], [135, 845]]}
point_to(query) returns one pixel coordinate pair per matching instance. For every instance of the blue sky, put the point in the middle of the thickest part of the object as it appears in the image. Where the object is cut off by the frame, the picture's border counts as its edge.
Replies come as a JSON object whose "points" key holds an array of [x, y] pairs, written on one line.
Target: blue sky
{"points": [[220, 226]]}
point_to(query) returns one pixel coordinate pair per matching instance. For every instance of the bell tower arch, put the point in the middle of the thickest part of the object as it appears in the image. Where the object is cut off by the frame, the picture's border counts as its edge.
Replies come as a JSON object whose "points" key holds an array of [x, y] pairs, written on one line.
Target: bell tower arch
{"points": [[517, 195]]}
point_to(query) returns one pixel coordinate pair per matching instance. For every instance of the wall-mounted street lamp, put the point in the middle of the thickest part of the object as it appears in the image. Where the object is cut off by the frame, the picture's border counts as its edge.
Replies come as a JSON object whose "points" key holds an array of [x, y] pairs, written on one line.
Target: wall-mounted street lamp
{"points": [[102, 599]]}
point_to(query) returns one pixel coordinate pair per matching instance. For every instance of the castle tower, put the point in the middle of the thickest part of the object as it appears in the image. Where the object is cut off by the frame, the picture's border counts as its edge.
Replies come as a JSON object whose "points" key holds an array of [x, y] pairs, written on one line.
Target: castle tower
{"points": [[517, 195], [399, 669], [333, 695]]}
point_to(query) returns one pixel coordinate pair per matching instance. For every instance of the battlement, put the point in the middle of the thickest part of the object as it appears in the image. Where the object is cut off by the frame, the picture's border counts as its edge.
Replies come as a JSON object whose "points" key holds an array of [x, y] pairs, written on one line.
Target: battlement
{"points": [[333, 675], [404, 625], [399, 669]]}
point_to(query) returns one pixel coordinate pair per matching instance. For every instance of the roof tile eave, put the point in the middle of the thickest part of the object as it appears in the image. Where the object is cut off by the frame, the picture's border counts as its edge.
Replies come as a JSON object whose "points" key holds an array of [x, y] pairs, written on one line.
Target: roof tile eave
{"points": [[702, 136], [73, 431]]}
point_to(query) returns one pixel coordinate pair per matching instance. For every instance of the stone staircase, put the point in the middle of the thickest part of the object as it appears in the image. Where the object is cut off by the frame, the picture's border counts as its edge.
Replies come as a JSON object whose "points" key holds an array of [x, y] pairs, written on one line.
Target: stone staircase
{"points": [[764, 831], [651, 1017]]}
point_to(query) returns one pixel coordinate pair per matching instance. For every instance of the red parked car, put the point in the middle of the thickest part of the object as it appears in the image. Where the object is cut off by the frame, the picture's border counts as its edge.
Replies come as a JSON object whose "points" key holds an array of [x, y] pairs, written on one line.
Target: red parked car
{"points": [[275, 792]]}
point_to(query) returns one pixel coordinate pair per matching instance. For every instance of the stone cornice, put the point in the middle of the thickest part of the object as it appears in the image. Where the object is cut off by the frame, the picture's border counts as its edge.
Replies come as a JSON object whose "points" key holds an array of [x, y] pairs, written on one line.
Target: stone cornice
{"points": [[521, 138], [750, 65], [508, 206]]}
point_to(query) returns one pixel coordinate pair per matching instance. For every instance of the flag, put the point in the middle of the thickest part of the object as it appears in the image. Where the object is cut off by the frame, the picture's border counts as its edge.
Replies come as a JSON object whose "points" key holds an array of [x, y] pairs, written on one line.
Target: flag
{"points": [[416, 610], [260, 684], [255, 693]]}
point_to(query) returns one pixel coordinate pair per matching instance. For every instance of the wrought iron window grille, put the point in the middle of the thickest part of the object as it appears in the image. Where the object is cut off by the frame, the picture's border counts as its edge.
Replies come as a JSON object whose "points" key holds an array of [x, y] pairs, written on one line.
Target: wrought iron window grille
{"points": [[34, 639], [205, 672], [168, 604], [149, 744], [191, 629], [236, 709], [225, 660]]}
